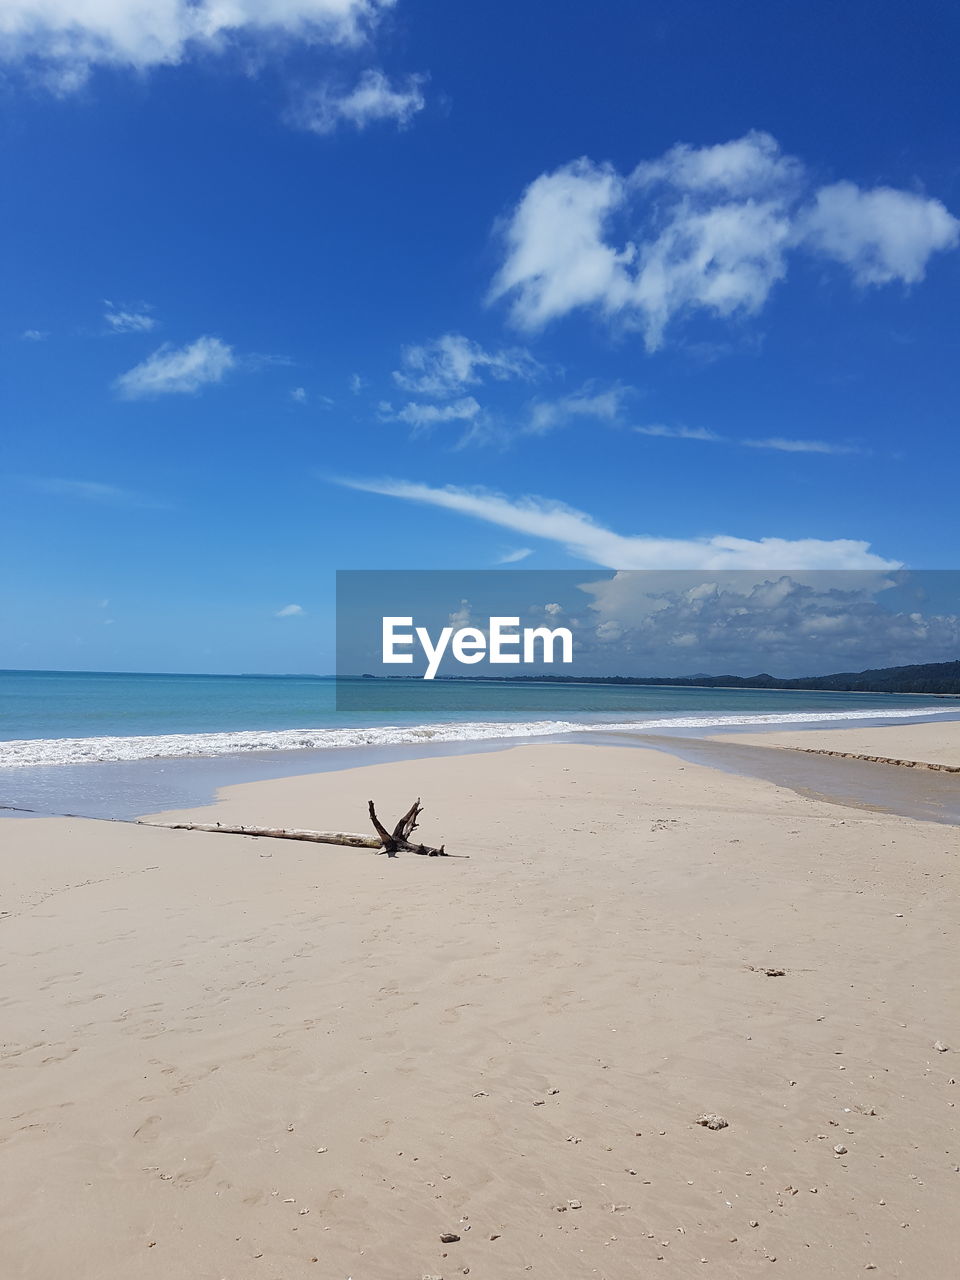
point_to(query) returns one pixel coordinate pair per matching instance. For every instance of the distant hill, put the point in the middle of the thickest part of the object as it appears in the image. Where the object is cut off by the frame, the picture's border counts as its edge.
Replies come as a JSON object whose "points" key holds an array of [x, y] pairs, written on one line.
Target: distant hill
{"points": [[924, 677]]}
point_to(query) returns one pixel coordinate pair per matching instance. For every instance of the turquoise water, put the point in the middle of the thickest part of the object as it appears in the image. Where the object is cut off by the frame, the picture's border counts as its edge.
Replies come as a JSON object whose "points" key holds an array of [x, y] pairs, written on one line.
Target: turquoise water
{"points": [[117, 745], [75, 717]]}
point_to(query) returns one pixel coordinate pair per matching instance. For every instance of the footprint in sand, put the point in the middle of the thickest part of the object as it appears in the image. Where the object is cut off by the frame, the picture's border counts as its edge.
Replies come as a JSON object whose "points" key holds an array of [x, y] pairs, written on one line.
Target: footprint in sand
{"points": [[147, 1132], [196, 1173], [453, 1013], [66, 1051]]}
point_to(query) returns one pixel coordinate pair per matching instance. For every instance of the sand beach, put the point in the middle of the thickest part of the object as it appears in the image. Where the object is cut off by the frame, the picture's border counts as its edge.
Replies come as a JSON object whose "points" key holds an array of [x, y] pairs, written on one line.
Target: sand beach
{"points": [[227, 1058]]}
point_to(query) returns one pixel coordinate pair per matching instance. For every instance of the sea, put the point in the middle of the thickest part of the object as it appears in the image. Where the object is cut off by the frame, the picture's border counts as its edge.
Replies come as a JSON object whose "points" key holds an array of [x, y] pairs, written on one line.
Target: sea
{"points": [[118, 744]]}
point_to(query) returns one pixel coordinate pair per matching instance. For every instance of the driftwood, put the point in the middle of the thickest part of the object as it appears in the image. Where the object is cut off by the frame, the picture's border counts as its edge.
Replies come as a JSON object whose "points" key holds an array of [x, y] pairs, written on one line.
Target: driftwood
{"points": [[390, 843], [273, 833], [399, 841]]}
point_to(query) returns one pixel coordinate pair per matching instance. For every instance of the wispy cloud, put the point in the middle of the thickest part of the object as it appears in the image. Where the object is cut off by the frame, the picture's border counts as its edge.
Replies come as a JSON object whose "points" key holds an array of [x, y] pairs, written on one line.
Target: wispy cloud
{"points": [[777, 443], [582, 537], [299, 394], [373, 100], [802, 446], [177, 370], [35, 335], [423, 416], [89, 491], [710, 230], [514, 557], [448, 364], [545, 415], [678, 433], [290, 611], [66, 39], [128, 319]]}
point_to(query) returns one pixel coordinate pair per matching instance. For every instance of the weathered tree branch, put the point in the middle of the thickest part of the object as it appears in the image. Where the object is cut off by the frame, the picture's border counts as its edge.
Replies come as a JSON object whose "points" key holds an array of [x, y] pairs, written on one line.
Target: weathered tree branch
{"points": [[399, 842], [273, 833], [383, 841]]}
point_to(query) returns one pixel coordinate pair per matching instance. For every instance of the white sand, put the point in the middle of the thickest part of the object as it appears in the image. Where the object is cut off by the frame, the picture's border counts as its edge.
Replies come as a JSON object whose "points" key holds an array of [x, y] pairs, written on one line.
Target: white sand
{"points": [[933, 743], [205, 1036]]}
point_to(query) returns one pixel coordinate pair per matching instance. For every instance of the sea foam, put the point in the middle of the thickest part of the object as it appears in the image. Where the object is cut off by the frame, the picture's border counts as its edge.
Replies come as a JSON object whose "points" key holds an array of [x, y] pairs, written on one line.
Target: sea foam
{"points": [[24, 753]]}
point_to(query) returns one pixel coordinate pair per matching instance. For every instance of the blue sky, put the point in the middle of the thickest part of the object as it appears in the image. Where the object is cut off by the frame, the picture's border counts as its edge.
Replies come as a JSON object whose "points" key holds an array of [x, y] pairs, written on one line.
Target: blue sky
{"points": [[360, 285]]}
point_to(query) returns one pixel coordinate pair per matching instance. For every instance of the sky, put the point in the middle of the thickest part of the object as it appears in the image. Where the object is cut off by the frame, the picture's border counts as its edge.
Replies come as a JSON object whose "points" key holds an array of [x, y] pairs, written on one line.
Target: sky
{"points": [[300, 286]]}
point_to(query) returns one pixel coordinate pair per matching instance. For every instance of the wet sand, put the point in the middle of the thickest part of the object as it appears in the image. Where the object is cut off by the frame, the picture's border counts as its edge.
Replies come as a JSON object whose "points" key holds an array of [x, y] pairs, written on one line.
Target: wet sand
{"points": [[935, 743]]}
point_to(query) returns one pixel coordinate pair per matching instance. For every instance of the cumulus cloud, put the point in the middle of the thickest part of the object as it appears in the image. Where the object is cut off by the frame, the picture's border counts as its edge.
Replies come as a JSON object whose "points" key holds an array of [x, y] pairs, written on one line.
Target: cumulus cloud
{"points": [[881, 235], [65, 39], [290, 611], [742, 623], [545, 415], [182, 370], [373, 100], [710, 230], [128, 320], [582, 537], [444, 366]]}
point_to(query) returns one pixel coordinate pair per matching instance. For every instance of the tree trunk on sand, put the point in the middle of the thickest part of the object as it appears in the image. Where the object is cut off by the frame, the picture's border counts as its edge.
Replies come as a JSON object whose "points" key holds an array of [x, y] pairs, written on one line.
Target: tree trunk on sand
{"points": [[390, 843]]}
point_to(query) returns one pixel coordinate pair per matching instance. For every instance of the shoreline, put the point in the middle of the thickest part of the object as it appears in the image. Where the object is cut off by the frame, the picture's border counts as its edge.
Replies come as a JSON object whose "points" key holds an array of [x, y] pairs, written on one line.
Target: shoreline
{"points": [[206, 1036], [935, 744], [114, 789]]}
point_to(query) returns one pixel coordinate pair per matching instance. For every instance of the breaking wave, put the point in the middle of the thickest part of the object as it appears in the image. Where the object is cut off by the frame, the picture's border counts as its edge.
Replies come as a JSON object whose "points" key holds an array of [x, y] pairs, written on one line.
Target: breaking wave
{"points": [[54, 751]]}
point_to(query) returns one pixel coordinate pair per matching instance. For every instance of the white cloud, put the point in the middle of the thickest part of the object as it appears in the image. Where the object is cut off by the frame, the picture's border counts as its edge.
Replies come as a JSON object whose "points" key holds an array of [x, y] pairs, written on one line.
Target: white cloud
{"points": [[545, 415], [881, 235], [451, 362], [65, 39], [299, 394], [177, 369], [514, 557], [357, 383], [422, 416], [777, 443], [585, 539], [557, 257], [708, 229], [733, 168], [794, 623], [290, 611], [802, 446], [373, 101], [461, 617], [35, 335], [678, 433], [128, 320]]}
